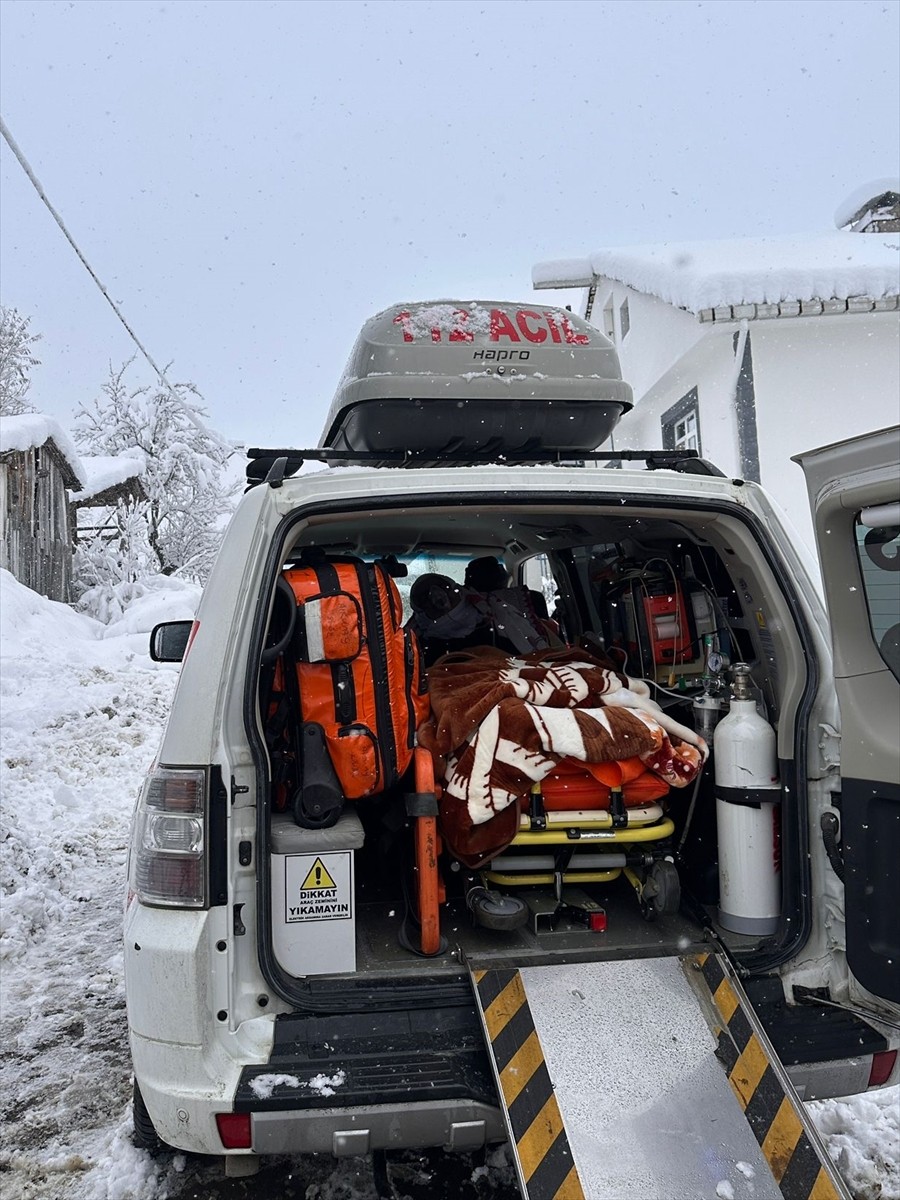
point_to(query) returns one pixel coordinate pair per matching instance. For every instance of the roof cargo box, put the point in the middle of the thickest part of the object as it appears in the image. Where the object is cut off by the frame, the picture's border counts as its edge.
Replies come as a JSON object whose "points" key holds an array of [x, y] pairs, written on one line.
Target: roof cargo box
{"points": [[454, 376]]}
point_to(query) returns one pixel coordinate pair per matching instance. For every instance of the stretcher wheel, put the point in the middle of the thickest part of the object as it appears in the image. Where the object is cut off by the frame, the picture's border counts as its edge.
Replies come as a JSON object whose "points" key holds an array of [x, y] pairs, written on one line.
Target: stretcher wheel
{"points": [[661, 892], [492, 910]]}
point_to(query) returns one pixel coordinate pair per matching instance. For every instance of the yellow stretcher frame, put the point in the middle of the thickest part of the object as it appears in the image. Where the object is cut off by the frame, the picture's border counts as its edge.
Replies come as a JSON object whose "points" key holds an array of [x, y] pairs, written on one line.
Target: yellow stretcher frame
{"points": [[596, 833], [588, 827], [592, 818]]}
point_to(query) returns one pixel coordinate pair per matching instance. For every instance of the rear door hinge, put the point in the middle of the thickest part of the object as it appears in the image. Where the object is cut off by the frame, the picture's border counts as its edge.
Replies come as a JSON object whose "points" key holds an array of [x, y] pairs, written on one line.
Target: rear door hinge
{"points": [[830, 747]]}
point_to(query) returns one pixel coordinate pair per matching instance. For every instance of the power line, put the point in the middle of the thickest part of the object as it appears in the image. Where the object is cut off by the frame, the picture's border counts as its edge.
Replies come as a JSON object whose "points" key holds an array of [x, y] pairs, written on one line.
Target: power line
{"points": [[26, 167]]}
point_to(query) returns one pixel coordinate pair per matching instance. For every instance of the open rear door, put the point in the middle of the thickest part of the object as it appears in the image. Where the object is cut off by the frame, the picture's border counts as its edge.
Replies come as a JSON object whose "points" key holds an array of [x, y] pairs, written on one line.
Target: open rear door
{"points": [[854, 489]]}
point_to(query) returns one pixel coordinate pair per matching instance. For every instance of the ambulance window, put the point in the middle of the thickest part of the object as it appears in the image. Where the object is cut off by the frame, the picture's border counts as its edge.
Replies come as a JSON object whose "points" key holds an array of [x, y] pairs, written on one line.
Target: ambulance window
{"points": [[537, 575], [453, 565], [878, 547]]}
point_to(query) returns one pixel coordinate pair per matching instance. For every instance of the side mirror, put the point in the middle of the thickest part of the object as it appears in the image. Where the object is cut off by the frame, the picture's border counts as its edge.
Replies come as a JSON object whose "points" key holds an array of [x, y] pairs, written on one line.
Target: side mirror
{"points": [[168, 641]]}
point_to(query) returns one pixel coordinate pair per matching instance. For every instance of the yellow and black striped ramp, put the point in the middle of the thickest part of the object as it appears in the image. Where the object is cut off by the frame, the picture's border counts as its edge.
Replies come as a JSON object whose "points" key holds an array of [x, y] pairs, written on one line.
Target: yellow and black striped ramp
{"points": [[544, 1161], [789, 1142], [646, 1079]]}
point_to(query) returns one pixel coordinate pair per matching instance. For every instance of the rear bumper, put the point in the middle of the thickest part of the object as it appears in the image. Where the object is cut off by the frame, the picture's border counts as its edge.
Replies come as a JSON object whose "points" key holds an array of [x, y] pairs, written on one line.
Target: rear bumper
{"points": [[335, 1083], [349, 1083], [826, 1080], [827, 1051], [451, 1124]]}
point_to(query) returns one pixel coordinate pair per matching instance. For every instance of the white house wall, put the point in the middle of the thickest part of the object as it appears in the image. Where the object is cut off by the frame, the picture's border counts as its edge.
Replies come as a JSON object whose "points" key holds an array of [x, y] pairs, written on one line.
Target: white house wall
{"points": [[659, 336], [708, 366], [666, 352], [819, 380]]}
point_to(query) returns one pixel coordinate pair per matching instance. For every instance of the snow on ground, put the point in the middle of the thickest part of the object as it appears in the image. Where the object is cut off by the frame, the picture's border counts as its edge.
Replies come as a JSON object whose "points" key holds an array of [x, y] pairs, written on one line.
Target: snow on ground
{"points": [[863, 1137], [82, 710]]}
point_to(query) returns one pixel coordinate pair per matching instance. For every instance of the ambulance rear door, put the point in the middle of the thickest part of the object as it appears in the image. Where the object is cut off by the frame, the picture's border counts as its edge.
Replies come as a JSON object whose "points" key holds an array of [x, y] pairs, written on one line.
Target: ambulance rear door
{"points": [[854, 490]]}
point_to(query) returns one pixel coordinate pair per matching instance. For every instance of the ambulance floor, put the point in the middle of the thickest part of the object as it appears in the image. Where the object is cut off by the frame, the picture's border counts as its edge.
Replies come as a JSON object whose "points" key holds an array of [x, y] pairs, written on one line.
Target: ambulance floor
{"points": [[627, 935]]}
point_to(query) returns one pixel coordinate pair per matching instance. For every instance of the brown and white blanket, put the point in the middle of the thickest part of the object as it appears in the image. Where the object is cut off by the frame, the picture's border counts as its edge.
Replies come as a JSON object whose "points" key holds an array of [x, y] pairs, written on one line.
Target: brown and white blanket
{"points": [[500, 724]]}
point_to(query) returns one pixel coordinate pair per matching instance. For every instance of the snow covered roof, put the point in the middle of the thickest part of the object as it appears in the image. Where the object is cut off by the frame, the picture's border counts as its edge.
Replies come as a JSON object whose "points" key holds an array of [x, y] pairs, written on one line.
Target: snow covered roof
{"points": [[29, 431], [767, 270], [869, 196], [104, 471]]}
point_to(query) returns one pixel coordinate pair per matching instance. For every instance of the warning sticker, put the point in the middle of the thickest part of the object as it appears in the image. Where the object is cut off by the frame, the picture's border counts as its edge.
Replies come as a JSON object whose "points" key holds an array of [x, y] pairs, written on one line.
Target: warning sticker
{"points": [[318, 887], [317, 879]]}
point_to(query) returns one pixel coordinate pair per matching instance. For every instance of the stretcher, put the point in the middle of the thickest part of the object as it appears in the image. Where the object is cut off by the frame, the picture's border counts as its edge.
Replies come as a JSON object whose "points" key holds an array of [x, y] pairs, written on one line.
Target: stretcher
{"points": [[561, 847], [554, 848]]}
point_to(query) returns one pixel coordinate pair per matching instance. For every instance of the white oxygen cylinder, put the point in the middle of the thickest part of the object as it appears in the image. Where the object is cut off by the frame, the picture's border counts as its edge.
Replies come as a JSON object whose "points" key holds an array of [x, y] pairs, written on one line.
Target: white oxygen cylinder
{"points": [[748, 815]]}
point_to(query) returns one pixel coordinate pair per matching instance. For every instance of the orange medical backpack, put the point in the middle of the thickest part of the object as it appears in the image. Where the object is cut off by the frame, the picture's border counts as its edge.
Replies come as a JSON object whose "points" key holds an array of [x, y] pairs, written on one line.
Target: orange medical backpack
{"points": [[360, 684]]}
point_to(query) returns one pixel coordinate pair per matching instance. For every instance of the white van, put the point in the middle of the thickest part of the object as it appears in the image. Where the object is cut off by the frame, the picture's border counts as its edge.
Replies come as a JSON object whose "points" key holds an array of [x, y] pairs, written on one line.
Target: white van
{"points": [[293, 988]]}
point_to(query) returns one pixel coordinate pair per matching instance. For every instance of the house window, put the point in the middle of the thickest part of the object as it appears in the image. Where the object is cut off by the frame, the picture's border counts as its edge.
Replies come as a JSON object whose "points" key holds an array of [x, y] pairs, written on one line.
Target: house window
{"points": [[609, 319], [681, 424], [624, 318]]}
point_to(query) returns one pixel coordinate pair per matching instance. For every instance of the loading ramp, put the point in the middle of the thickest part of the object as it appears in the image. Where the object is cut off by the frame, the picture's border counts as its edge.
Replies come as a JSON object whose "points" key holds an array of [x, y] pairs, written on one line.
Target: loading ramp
{"points": [[647, 1079]]}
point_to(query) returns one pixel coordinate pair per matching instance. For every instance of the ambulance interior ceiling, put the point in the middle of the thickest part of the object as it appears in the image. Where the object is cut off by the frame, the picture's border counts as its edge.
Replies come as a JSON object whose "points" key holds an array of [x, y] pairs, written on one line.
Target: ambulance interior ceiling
{"points": [[515, 532]]}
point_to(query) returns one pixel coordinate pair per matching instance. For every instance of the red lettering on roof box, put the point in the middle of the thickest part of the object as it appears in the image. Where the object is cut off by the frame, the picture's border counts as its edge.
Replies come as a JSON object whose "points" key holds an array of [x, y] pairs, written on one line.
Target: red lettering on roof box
{"points": [[573, 338], [402, 319], [502, 326], [523, 316], [532, 326], [459, 334]]}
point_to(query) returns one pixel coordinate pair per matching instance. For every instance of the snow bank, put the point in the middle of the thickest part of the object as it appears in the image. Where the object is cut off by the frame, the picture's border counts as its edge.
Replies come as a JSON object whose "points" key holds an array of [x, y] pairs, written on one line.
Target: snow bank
{"points": [[81, 717], [134, 607], [863, 1137], [82, 714], [152, 600], [33, 625], [698, 275], [29, 430]]}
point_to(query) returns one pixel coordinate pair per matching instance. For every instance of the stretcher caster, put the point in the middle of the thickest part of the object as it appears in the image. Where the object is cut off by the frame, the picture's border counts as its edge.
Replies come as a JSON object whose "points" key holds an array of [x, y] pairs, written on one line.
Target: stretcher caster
{"points": [[661, 891], [492, 910]]}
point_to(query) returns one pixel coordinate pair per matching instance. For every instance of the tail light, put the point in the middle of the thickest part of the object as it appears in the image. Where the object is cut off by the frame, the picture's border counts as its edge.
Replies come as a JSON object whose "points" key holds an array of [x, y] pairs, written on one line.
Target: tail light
{"points": [[882, 1067], [235, 1130], [168, 845]]}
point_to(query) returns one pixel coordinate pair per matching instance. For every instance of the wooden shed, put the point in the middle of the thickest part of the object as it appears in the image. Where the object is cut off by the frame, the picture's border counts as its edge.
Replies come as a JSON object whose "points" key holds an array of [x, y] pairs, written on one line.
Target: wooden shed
{"points": [[108, 480], [38, 464]]}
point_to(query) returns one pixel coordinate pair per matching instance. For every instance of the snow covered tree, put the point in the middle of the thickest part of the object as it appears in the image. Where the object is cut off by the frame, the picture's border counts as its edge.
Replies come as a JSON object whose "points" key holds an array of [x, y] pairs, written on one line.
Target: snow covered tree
{"points": [[177, 529], [114, 561], [16, 361]]}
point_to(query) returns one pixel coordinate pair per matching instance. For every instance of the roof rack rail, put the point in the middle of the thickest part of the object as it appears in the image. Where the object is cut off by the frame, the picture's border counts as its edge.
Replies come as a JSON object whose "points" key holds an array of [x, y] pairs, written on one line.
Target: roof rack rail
{"points": [[274, 465]]}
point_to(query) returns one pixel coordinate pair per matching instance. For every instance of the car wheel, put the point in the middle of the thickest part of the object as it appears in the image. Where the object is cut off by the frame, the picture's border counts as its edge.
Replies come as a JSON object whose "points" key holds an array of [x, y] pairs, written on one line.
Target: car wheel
{"points": [[145, 1135]]}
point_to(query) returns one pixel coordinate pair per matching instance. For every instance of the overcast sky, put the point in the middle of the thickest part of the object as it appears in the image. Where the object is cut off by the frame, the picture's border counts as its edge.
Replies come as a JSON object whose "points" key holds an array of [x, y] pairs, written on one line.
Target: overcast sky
{"points": [[252, 180]]}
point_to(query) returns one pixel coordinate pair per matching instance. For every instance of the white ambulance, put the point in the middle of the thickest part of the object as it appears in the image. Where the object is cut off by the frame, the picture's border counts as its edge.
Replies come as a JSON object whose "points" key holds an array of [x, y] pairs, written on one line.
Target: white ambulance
{"points": [[306, 987]]}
